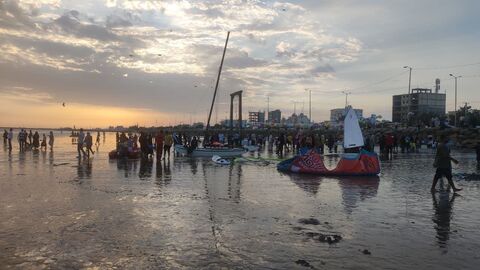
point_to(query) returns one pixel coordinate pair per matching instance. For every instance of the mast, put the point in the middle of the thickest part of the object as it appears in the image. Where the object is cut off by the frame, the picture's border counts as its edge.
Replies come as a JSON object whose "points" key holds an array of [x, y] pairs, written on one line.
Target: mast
{"points": [[216, 85]]}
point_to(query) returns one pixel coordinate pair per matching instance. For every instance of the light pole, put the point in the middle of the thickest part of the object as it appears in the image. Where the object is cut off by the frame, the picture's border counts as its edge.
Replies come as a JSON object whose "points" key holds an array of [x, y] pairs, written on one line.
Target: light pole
{"points": [[455, 96], [346, 97], [409, 77], [309, 104], [409, 93]]}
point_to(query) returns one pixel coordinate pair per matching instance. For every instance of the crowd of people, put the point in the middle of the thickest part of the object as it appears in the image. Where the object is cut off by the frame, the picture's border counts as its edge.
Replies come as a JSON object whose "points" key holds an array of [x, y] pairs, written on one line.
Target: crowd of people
{"points": [[28, 140], [147, 144]]}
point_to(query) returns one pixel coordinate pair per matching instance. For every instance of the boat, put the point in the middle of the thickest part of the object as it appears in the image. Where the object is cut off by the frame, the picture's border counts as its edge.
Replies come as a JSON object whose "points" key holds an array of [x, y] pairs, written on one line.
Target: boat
{"points": [[216, 149], [220, 160], [135, 154], [210, 152], [362, 163]]}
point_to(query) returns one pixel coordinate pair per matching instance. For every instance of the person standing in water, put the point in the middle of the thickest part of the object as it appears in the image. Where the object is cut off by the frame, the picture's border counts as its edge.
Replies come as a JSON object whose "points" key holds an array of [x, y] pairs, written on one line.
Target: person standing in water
{"points": [[51, 139], [9, 138], [159, 144], [167, 144], [30, 137], [89, 144], [80, 139], [97, 142], [5, 136], [443, 163], [36, 140], [44, 142]]}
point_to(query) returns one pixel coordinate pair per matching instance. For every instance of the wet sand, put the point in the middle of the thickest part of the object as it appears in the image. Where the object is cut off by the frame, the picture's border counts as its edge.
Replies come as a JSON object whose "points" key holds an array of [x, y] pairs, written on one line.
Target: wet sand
{"points": [[59, 213]]}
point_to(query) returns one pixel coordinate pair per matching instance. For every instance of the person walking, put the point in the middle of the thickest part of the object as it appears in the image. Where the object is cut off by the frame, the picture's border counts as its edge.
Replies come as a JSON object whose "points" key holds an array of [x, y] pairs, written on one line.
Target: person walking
{"points": [[9, 138], [97, 141], [443, 163], [51, 139], [89, 143], [80, 140], [167, 144]]}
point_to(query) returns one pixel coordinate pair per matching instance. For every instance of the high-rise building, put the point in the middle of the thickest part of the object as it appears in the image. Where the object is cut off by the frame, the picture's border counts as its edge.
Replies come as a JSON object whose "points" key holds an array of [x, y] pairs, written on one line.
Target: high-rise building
{"points": [[275, 117], [421, 101], [256, 118]]}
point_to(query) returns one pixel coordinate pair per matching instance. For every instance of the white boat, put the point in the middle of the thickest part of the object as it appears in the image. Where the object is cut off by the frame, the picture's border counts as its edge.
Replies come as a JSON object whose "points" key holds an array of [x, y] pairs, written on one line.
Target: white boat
{"points": [[220, 160], [210, 152]]}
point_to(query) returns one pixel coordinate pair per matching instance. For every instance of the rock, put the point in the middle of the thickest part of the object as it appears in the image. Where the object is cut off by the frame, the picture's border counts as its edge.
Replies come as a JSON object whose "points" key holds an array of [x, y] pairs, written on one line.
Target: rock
{"points": [[309, 221], [303, 263], [366, 252], [330, 239]]}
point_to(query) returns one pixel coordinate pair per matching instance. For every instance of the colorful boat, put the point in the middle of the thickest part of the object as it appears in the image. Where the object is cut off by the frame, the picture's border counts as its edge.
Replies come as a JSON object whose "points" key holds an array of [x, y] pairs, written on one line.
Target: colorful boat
{"points": [[363, 163], [135, 154], [210, 152], [351, 164]]}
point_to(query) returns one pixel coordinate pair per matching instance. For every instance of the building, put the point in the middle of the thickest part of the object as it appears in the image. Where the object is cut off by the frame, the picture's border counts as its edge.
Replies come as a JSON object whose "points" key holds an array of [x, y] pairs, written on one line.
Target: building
{"points": [[337, 115], [421, 101], [275, 117], [297, 120], [256, 118]]}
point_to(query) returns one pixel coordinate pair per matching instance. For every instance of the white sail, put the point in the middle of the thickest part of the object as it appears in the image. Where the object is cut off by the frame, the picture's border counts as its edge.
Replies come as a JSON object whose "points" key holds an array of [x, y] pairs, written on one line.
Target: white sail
{"points": [[352, 134]]}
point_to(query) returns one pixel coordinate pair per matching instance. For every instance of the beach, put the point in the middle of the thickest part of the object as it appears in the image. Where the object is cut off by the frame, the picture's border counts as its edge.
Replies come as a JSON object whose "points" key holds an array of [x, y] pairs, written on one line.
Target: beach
{"points": [[189, 213]]}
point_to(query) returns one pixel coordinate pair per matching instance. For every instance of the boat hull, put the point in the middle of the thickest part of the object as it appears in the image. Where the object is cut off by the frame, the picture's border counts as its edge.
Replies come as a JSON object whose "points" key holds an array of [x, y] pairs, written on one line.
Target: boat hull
{"points": [[210, 152], [361, 164]]}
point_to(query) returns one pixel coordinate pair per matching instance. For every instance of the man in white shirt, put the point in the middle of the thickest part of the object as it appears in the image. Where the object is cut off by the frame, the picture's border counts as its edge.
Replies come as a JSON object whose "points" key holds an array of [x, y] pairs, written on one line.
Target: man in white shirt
{"points": [[80, 139]]}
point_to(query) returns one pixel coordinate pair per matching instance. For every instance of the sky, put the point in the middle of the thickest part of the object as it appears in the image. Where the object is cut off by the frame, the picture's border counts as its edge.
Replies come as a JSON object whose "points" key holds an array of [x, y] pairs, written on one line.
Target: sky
{"points": [[126, 62]]}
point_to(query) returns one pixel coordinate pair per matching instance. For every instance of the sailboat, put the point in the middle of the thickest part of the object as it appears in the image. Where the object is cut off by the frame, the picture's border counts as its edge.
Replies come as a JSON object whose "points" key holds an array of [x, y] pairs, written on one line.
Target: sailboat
{"points": [[361, 163], [212, 151]]}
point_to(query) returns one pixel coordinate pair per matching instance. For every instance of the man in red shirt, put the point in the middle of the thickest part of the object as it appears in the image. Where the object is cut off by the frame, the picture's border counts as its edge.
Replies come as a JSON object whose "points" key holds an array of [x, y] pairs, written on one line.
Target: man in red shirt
{"points": [[159, 138], [389, 140]]}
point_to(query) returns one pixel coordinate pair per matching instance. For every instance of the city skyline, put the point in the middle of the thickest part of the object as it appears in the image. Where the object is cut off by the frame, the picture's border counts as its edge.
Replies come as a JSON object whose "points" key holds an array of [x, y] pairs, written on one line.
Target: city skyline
{"points": [[155, 62]]}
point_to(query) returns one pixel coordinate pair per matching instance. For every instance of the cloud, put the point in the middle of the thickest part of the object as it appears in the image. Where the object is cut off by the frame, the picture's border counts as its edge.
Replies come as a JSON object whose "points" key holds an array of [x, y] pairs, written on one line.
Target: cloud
{"points": [[81, 52]]}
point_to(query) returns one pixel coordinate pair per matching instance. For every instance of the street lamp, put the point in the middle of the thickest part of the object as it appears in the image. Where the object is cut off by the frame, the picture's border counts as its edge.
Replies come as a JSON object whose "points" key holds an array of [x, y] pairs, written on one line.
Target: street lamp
{"points": [[409, 77], [346, 97], [310, 104], [455, 96]]}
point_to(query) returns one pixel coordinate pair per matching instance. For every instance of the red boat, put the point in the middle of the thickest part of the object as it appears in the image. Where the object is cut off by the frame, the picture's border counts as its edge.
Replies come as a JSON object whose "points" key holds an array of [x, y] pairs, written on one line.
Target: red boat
{"points": [[352, 164]]}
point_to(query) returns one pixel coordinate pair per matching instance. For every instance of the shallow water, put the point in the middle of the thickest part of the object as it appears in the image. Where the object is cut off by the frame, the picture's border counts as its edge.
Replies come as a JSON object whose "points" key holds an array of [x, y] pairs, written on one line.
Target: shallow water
{"points": [[57, 212]]}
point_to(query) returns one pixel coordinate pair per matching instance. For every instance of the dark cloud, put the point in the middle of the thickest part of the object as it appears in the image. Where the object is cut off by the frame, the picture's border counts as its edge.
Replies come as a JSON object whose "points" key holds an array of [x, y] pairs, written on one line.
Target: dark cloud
{"points": [[70, 23], [13, 16], [318, 70], [113, 21]]}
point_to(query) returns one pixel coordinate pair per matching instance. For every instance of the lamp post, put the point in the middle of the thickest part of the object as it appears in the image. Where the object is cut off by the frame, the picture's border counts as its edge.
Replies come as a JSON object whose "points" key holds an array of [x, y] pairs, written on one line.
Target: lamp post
{"points": [[309, 104], [409, 93], [455, 96], [346, 97], [409, 77]]}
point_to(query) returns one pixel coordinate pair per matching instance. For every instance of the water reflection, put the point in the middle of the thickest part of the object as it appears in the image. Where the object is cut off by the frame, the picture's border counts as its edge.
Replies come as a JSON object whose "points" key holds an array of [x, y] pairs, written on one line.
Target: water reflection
{"points": [[129, 167], [358, 188], [163, 173], [146, 166], [443, 210], [307, 182], [84, 169]]}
